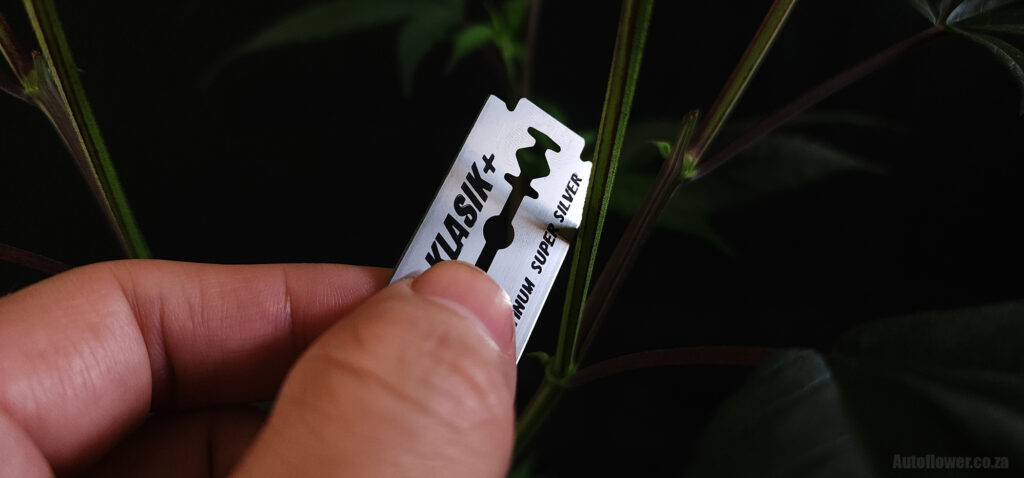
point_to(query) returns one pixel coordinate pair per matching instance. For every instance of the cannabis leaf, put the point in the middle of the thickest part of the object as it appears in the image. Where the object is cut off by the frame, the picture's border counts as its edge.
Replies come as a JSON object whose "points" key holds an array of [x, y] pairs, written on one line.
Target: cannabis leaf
{"points": [[978, 21]]}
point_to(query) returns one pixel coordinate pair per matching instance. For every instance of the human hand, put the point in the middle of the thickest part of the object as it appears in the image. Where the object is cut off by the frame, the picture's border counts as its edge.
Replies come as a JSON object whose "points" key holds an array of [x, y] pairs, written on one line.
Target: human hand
{"points": [[133, 367]]}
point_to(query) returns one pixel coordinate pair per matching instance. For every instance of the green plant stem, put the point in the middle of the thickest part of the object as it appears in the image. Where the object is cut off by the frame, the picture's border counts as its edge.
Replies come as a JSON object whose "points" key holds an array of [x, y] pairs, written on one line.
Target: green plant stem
{"points": [[31, 260], [741, 76], [618, 102], [671, 357], [813, 97], [640, 226], [537, 411], [80, 131], [683, 159]]}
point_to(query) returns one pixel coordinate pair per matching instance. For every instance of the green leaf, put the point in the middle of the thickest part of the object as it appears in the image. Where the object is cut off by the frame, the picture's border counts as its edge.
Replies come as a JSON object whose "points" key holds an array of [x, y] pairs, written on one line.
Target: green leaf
{"points": [[507, 34], [525, 468], [938, 11], [426, 24], [540, 356], [787, 421], [468, 40], [946, 383], [1010, 56], [784, 161], [418, 37], [514, 14], [1009, 19], [320, 21], [664, 148], [928, 8], [942, 12], [974, 8], [946, 7]]}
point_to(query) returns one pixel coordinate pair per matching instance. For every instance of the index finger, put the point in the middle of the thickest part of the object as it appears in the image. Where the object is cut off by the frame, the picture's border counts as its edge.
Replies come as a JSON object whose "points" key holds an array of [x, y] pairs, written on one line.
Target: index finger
{"points": [[86, 354]]}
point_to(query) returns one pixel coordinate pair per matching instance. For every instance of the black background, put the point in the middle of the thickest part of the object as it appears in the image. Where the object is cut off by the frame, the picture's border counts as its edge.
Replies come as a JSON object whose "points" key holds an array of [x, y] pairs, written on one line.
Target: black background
{"points": [[313, 154]]}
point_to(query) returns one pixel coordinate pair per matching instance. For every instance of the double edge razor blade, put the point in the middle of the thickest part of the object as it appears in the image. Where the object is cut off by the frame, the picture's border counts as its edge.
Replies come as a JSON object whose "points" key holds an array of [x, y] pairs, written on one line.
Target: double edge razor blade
{"points": [[509, 205]]}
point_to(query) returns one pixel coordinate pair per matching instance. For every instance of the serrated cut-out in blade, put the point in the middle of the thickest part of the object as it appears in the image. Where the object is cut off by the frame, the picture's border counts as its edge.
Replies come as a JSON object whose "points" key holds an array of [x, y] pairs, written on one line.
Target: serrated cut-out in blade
{"points": [[509, 203]]}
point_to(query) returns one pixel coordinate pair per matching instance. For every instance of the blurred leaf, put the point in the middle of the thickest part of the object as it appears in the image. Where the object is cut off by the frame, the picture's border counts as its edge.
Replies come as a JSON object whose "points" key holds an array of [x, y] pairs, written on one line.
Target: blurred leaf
{"points": [[950, 11], [947, 383], [781, 162], [975, 8], [418, 37], [468, 40], [786, 421], [975, 19], [426, 23], [1010, 56], [320, 21], [540, 356], [507, 26], [928, 8], [1003, 20], [841, 118], [975, 12], [514, 13], [525, 468]]}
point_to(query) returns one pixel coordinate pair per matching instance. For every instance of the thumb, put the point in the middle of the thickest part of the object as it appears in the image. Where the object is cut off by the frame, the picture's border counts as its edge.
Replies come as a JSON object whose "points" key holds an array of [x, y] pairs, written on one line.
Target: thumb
{"points": [[417, 381]]}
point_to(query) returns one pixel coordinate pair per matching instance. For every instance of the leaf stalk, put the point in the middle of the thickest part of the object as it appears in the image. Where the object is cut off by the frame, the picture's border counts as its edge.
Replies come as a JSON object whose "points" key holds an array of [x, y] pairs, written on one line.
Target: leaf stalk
{"points": [[813, 97], [62, 97], [740, 78]]}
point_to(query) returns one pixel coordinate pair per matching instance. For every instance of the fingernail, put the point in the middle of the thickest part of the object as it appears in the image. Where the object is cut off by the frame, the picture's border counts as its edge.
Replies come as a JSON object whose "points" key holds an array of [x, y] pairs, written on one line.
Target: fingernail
{"points": [[472, 292]]}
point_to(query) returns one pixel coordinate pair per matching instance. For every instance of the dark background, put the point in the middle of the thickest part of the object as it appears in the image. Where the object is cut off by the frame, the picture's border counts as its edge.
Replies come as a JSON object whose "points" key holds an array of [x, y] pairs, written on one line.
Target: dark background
{"points": [[314, 154]]}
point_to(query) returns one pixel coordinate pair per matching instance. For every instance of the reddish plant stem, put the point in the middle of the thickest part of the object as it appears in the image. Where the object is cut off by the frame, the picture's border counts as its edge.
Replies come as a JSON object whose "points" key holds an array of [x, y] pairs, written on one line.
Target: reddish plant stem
{"points": [[813, 97], [31, 260], [16, 56], [667, 183], [607, 286], [728, 355], [9, 85]]}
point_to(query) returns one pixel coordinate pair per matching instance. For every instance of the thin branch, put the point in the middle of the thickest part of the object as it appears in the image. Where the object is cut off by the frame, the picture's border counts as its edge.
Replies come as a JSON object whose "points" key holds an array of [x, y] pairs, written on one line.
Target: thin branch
{"points": [[618, 101], [606, 289], [17, 57], [686, 155], [741, 76], [536, 412], [813, 97], [74, 114], [671, 357], [31, 260], [10, 85]]}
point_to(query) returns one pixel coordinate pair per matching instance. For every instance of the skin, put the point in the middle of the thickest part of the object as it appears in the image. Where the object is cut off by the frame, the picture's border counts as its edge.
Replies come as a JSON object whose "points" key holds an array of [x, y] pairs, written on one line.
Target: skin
{"points": [[145, 368]]}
